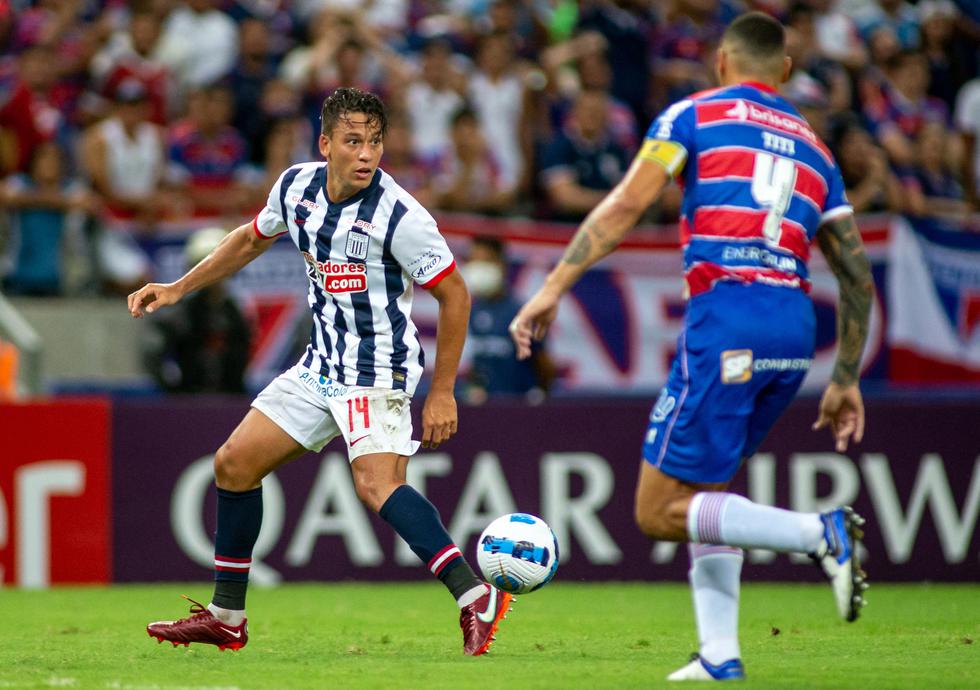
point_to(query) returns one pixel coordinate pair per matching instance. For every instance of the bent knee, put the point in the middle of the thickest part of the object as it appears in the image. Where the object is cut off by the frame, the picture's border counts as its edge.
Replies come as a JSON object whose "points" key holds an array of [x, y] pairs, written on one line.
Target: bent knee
{"points": [[370, 491], [232, 471], [659, 523]]}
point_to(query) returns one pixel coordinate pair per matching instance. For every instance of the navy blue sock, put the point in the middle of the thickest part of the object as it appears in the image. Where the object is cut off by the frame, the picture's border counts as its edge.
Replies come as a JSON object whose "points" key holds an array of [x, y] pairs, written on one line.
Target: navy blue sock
{"points": [[239, 522], [417, 521]]}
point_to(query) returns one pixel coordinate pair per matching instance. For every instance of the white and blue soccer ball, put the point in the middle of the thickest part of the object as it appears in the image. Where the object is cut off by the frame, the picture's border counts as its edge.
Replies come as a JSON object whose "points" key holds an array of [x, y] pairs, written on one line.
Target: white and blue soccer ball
{"points": [[518, 553]]}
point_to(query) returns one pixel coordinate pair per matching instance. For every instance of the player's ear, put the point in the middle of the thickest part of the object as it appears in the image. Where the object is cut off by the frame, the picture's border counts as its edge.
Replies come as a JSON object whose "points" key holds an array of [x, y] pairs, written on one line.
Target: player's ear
{"points": [[787, 68], [324, 145], [721, 59]]}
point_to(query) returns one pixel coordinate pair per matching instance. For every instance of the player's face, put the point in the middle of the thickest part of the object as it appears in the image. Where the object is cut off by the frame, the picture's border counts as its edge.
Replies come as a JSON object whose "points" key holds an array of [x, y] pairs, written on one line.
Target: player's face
{"points": [[353, 151]]}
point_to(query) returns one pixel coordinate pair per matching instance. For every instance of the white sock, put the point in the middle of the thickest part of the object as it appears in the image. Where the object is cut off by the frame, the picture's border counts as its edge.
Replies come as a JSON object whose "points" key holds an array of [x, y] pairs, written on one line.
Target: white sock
{"points": [[230, 616], [471, 595], [722, 518], [714, 577]]}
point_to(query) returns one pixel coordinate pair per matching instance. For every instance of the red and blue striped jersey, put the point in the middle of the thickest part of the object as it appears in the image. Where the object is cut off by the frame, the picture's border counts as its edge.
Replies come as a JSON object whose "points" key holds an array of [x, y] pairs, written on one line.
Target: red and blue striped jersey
{"points": [[757, 182]]}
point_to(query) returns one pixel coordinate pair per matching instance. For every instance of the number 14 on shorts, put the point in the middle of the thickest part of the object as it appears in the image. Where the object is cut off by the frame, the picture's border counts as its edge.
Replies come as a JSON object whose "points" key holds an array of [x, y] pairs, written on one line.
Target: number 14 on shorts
{"points": [[358, 411]]}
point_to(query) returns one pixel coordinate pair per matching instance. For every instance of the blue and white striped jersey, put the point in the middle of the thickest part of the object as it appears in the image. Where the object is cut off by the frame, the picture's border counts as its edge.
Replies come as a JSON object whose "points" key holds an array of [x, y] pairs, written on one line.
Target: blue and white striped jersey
{"points": [[363, 257]]}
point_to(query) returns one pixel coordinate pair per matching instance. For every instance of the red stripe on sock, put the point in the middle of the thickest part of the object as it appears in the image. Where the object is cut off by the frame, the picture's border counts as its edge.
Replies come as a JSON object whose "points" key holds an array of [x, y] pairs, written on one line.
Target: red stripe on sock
{"points": [[439, 555], [232, 560]]}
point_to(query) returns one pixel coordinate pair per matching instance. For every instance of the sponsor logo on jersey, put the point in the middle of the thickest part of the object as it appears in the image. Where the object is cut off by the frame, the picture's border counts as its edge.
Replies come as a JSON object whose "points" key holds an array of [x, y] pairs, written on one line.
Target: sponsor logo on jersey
{"points": [[763, 256], [736, 366], [306, 203], [422, 265], [322, 386], [782, 364], [363, 224], [336, 276], [665, 403], [749, 112]]}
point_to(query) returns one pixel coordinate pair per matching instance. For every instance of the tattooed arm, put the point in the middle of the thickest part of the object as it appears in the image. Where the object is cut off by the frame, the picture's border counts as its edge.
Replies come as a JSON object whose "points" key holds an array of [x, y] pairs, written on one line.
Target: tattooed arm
{"points": [[840, 242], [601, 232], [841, 407]]}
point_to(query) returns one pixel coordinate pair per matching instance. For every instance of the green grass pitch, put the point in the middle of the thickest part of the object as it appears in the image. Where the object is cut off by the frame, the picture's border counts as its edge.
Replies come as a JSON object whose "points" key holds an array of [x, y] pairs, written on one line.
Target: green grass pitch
{"points": [[566, 636]]}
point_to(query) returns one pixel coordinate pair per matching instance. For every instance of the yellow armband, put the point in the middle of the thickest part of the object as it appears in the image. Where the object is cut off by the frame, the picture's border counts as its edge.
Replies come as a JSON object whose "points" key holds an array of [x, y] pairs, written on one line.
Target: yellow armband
{"points": [[669, 154]]}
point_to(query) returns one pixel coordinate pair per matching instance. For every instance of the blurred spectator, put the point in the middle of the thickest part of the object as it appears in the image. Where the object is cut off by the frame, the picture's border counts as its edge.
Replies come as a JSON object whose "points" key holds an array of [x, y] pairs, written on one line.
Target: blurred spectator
{"points": [[495, 368], [810, 98], [433, 98], [471, 178], [387, 17], [201, 345], [684, 45], [199, 43], [931, 188], [586, 56], [207, 154], [938, 44], [127, 55], [870, 184], [500, 100], [48, 101], [897, 111], [898, 15], [517, 18], [255, 68], [968, 123], [582, 162], [402, 163], [343, 52], [47, 208], [124, 158], [808, 62], [283, 143], [627, 26], [837, 36], [20, 132]]}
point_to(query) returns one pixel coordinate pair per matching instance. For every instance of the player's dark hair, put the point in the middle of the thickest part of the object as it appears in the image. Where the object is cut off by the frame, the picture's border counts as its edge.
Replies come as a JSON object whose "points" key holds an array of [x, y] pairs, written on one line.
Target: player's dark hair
{"points": [[758, 35], [346, 100]]}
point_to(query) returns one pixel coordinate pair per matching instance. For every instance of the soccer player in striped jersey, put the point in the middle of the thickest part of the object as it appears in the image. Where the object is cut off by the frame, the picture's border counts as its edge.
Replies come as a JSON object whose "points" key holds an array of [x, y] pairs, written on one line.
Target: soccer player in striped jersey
{"points": [[759, 186], [366, 242]]}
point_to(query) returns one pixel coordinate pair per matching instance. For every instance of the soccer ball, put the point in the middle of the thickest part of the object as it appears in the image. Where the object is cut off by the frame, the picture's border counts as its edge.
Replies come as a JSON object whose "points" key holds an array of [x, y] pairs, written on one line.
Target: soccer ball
{"points": [[517, 553]]}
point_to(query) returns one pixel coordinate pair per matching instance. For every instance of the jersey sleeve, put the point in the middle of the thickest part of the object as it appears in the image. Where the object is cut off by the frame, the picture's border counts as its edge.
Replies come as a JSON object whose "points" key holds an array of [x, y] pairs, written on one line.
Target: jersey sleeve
{"points": [[836, 203], [420, 250], [670, 138], [269, 222]]}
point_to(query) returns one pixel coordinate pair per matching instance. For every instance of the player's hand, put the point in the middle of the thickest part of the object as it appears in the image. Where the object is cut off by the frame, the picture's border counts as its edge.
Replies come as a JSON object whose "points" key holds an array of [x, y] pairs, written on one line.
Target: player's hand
{"points": [[439, 420], [842, 408], [151, 297], [533, 320]]}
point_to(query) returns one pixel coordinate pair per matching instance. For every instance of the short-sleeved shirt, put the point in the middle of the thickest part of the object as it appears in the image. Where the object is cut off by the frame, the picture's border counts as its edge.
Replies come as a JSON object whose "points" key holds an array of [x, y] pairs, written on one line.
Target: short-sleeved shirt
{"points": [[757, 184], [363, 256]]}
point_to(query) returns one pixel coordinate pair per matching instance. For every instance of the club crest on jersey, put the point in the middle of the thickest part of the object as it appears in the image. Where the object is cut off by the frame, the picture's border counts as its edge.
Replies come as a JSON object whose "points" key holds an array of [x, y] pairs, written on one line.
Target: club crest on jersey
{"points": [[357, 245], [736, 366]]}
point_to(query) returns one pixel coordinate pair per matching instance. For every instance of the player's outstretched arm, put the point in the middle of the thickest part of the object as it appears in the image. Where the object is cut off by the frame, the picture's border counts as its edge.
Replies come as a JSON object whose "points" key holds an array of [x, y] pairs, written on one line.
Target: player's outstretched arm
{"points": [[439, 420], [600, 233], [238, 248], [841, 406]]}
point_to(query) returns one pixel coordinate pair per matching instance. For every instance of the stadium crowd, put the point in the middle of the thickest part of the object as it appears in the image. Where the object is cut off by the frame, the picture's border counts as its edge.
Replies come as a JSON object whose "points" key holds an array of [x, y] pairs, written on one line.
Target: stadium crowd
{"points": [[120, 118]]}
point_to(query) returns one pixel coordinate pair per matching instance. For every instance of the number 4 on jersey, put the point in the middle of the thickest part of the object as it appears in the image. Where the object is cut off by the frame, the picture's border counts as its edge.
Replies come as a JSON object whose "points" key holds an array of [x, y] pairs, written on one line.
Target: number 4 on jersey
{"points": [[773, 181]]}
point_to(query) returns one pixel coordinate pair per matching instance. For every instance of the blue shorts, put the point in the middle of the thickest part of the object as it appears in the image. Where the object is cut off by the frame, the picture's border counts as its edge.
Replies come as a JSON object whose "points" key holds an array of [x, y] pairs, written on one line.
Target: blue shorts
{"points": [[742, 356]]}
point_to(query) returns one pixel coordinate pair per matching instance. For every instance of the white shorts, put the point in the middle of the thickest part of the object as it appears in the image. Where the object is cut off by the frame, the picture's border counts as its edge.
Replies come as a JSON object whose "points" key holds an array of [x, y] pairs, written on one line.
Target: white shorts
{"points": [[314, 409]]}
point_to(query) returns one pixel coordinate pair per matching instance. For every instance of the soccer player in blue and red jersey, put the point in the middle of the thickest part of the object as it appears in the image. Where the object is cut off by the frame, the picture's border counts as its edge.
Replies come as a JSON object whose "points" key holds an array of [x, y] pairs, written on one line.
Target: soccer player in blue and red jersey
{"points": [[366, 243], [759, 186]]}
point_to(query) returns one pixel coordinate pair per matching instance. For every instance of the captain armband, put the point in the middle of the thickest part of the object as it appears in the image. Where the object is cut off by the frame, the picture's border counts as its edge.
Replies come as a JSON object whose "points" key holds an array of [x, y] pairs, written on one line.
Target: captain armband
{"points": [[669, 154]]}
